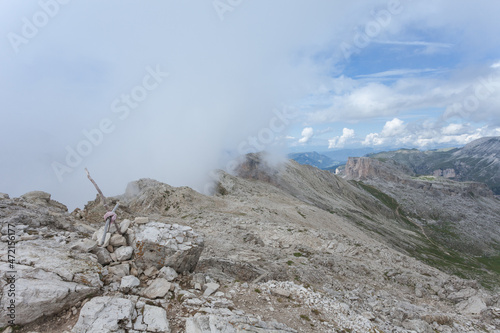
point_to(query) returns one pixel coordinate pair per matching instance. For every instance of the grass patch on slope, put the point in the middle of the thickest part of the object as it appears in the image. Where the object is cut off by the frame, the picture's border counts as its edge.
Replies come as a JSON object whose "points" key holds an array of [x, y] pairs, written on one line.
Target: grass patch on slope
{"points": [[436, 250]]}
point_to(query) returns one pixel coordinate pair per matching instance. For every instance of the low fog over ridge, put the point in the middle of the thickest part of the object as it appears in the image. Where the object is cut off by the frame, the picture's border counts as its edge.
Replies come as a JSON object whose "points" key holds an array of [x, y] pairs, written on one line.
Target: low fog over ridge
{"points": [[224, 83], [172, 91]]}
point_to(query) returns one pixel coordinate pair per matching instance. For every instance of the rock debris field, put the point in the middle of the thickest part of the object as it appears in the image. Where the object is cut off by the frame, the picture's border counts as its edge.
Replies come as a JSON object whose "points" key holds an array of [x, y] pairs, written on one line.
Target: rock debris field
{"points": [[252, 260]]}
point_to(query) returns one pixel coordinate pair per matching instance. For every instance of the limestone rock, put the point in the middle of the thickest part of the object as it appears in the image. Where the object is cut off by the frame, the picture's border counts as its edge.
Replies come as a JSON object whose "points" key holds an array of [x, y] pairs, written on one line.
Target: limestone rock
{"points": [[141, 220], [156, 319], [49, 279], [124, 225], [119, 271], [36, 298], [151, 271], [473, 305], [418, 326], [231, 324], [168, 273], [124, 253], [117, 240], [105, 314], [103, 255], [155, 245], [128, 282], [36, 197], [158, 288], [210, 288], [84, 245], [280, 292]]}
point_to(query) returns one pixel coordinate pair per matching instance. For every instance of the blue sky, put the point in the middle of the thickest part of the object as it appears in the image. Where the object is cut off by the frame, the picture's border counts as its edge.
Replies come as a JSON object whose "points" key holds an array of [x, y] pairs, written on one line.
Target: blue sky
{"points": [[172, 90]]}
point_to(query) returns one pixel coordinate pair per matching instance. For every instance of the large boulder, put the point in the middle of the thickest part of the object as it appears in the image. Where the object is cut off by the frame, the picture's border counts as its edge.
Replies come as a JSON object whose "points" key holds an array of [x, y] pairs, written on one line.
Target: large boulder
{"points": [[49, 278], [159, 244], [473, 305], [106, 314]]}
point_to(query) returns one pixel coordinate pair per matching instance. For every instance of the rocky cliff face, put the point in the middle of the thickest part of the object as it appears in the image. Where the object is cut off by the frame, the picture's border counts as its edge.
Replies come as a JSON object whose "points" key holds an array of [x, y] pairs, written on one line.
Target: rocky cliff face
{"points": [[362, 168], [292, 249]]}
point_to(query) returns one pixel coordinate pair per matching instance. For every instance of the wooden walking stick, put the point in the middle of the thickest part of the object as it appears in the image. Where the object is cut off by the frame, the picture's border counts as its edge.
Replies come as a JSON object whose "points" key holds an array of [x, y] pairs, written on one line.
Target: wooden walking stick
{"points": [[103, 199]]}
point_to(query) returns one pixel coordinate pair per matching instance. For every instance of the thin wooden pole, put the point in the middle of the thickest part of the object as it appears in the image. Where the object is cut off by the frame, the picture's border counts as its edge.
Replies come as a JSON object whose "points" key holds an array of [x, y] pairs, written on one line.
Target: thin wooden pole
{"points": [[103, 199]]}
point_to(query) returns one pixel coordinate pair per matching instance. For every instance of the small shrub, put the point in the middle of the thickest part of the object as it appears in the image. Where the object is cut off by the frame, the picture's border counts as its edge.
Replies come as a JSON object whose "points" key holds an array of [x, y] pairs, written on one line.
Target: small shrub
{"points": [[305, 317], [316, 312]]}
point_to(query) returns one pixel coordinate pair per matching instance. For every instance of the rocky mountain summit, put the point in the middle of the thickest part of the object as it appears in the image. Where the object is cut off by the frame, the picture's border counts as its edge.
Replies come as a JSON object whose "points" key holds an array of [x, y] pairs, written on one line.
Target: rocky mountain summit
{"points": [[276, 249]]}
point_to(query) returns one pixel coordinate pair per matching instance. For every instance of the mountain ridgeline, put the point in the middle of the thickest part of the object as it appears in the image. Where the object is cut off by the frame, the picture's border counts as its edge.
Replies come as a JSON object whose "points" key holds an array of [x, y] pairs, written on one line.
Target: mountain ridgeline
{"points": [[478, 161], [278, 248], [451, 225]]}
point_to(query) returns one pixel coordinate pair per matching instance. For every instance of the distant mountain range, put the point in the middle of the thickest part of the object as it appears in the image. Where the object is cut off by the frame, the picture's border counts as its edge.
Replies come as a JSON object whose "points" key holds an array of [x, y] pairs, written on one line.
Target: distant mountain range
{"points": [[477, 161], [329, 160]]}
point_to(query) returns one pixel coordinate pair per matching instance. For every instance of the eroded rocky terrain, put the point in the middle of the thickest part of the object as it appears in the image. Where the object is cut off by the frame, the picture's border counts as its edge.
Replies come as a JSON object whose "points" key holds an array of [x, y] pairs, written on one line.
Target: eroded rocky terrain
{"points": [[285, 249]]}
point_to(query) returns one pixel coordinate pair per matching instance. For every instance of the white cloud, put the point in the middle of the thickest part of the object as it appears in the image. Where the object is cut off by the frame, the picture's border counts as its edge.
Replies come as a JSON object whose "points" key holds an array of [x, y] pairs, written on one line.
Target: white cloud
{"points": [[373, 139], [307, 134], [428, 134], [452, 129], [472, 95], [393, 128], [423, 47], [416, 43], [340, 141], [397, 72]]}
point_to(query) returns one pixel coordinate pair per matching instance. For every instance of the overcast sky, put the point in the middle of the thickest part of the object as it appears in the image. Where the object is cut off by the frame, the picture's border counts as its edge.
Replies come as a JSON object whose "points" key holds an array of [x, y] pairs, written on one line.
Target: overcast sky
{"points": [[171, 90]]}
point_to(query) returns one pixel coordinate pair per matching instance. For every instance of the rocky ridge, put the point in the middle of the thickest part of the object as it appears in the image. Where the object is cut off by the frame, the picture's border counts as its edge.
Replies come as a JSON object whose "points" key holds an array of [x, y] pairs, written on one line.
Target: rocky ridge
{"points": [[272, 261], [463, 215]]}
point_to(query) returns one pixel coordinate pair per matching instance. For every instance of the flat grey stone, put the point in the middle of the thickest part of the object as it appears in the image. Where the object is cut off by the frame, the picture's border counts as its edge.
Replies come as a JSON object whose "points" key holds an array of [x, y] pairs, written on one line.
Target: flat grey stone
{"points": [[128, 282], [105, 314], [156, 319], [168, 273], [124, 253], [158, 288], [117, 240]]}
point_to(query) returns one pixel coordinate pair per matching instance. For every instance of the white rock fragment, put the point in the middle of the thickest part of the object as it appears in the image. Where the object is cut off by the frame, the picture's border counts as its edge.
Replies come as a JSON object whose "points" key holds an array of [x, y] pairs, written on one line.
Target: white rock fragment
{"points": [[210, 288], [141, 220], [279, 292], [156, 319], [168, 273], [117, 240], [158, 288], [128, 282], [473, 305], [124, 253], [124, 225], [84, 245], [105, 314]]}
